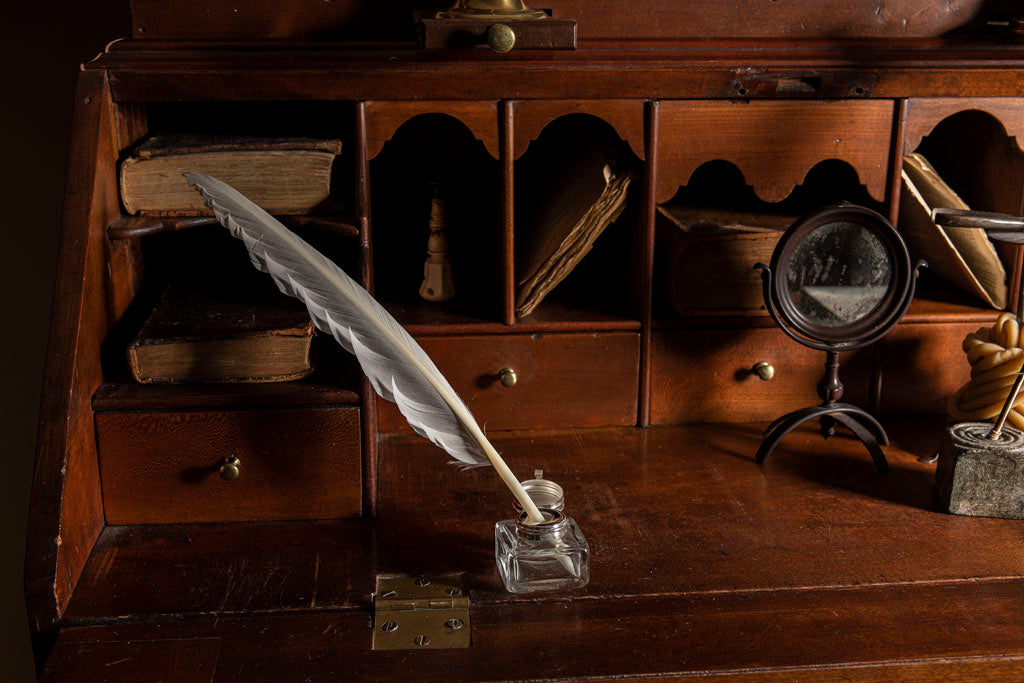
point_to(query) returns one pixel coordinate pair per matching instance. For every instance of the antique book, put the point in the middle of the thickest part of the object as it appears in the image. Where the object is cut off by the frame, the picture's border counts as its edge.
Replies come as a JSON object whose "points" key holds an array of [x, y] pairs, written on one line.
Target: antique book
{"points": [[708, 256], [283, 175], [582, 192], [240, 334], [964, 257]]}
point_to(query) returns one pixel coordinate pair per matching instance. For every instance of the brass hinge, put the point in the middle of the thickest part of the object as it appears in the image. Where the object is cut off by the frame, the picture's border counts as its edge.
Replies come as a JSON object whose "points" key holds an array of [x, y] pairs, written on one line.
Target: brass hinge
{"points": [[412, 612]]}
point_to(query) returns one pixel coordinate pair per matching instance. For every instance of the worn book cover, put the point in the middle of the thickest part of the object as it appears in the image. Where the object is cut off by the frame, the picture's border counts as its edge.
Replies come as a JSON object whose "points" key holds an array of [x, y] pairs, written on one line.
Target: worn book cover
{"points": [[222, 334], [582, 192], [284, 175], [964, 257], [708, 256]]}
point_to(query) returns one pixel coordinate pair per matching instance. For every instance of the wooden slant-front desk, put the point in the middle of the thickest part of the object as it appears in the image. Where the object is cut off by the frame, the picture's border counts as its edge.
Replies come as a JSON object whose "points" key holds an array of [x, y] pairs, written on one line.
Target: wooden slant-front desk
{"points": [[142, 563]]}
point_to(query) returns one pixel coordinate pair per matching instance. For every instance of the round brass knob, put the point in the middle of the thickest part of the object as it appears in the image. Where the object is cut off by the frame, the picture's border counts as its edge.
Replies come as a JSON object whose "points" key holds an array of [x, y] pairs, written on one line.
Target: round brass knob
{"points": [[508, 377], [230, 468], [501, 38], [764, 370]]}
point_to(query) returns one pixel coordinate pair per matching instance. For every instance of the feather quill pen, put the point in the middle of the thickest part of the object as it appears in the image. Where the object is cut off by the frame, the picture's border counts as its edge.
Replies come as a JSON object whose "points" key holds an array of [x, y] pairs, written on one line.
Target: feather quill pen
{"points": [[397, 367]]}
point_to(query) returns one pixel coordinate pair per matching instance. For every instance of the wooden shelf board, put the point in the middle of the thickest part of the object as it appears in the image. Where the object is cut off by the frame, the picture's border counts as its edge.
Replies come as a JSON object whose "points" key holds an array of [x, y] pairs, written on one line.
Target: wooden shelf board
{"points": [[315, 390], [934, 302]]}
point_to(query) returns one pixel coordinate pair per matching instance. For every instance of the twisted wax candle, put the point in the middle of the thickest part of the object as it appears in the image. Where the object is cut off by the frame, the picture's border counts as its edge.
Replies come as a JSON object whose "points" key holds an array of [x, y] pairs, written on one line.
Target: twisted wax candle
{"points": [[996, 356]]}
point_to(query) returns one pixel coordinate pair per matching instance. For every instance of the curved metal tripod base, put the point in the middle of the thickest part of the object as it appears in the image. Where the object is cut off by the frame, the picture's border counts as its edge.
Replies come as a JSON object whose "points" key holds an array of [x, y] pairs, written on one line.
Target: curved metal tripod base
{"points": [[845, 414]]}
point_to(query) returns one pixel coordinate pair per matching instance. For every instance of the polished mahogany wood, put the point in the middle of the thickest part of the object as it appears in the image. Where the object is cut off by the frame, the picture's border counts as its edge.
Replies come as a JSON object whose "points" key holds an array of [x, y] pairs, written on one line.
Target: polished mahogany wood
{"points": [[708, 375], [961, 632], [161, 71], [383, 119], [774, 144], [625, 116], [922, 365], [219, 19], [923, 114], [509, 122], [295, 464], [793, 548], [650, 216], [368, 415], [66, 514], [340, 387], [563, 380]]}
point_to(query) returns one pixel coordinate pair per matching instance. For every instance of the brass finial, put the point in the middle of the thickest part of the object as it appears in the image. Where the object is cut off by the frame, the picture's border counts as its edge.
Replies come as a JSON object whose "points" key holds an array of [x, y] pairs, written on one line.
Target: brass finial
{"points": [[500, 10]]}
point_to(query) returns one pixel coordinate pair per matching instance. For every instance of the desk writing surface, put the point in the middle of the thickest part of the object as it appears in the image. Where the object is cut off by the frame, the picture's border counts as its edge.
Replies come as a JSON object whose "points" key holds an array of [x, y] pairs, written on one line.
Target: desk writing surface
{"points": [[701, 561]]}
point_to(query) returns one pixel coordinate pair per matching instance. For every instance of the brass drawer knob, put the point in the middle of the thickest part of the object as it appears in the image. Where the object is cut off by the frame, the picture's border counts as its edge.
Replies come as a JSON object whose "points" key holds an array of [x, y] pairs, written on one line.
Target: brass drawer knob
{"points": [[229, 468], [508, 377], [764, 370], [501, 38]]}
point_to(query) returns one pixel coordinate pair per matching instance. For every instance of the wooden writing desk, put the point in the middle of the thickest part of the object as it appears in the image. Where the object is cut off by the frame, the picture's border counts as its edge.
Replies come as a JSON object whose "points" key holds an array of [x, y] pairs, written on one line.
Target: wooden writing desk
{"points": [[703, 562]]}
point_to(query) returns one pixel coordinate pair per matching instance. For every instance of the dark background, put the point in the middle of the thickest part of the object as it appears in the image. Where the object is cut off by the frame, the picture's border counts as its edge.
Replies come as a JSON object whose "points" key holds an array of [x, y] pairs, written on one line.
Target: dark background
{"points": [[44, 45]]}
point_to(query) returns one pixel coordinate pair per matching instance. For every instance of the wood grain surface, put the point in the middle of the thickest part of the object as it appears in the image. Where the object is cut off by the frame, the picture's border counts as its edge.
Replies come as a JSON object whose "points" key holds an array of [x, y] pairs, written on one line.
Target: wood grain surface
{"points": [[774, 144], [66, 514], [384, 118], [702, 560], [921, 365], [161, 468], [707, 375], [563, 380], [597, 19], [625, 116], [160, 71]]}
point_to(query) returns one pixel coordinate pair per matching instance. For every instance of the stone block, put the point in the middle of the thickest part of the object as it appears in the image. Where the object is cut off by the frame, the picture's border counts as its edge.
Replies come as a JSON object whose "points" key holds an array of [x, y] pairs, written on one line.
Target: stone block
{"points": [[979, 476]]}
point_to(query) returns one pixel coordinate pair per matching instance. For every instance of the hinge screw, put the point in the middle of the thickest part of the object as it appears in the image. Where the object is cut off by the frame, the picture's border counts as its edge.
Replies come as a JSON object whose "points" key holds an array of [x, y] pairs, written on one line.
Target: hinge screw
{"points": [[423, 581], [389, 626], [421, 640], [453, 591], [454, 624]]}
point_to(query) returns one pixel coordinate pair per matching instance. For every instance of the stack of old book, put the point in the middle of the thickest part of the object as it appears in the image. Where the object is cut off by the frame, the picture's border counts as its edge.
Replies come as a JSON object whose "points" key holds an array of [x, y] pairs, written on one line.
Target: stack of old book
{"points": [[234, 327]]}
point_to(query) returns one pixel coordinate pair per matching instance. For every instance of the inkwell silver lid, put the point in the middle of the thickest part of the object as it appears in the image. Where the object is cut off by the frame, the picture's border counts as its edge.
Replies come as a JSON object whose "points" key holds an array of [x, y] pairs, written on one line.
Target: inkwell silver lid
{"points": [[544, 493]]}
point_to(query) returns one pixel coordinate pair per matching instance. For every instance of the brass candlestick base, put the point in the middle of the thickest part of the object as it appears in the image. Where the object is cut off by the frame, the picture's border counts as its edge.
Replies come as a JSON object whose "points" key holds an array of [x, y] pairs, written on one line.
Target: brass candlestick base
{"points": [[499, 10]]}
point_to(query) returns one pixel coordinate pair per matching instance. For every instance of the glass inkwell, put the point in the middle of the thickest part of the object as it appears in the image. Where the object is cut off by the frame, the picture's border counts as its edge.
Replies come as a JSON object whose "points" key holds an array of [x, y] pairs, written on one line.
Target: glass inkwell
{"points": [[551, 555]]}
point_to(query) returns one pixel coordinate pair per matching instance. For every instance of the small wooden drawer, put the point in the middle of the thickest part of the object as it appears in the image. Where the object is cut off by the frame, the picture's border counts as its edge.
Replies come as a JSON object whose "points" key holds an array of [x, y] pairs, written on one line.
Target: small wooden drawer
{"points": [[922, 365], [561, 380], [164, 467], [708, 375], [774, 143]]}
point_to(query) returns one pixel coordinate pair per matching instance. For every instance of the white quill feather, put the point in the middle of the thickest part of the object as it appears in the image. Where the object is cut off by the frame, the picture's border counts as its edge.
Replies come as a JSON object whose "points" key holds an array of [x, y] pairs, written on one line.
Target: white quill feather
{"points": [[399, 370]]}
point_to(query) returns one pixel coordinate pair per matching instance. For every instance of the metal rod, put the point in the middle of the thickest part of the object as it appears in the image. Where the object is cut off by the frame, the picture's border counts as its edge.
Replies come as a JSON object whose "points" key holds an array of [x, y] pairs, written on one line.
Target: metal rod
{"points": [[997, 429], [960, 218]]}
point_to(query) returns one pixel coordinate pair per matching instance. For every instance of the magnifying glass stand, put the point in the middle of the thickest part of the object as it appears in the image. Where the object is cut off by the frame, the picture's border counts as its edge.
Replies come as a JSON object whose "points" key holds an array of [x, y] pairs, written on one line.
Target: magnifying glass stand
{"points": [[831, 411]]}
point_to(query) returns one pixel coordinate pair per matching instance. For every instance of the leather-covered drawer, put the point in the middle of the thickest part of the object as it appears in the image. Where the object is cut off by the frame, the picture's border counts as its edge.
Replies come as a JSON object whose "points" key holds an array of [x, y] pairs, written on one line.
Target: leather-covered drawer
{"points": [[562, 380], [707, 375], [163, 467]]}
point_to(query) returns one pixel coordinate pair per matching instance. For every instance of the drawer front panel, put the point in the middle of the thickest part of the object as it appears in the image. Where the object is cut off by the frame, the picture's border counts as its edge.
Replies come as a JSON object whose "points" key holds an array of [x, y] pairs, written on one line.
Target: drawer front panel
{"points": [[707, 375], [562, 380], [295, 464], [774, 143], [923, 365]]}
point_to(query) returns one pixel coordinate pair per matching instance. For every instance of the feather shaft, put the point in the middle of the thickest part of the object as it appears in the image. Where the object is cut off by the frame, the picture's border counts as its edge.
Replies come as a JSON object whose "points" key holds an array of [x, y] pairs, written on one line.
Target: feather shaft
{"points": [[398, 368]]}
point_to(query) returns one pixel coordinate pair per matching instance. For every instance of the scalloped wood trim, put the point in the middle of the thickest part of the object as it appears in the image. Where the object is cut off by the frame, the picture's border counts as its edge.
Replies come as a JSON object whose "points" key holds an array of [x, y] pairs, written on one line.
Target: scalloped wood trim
{"points": [[383, 119], [625, 116], [924, 114], [774, 143]]}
